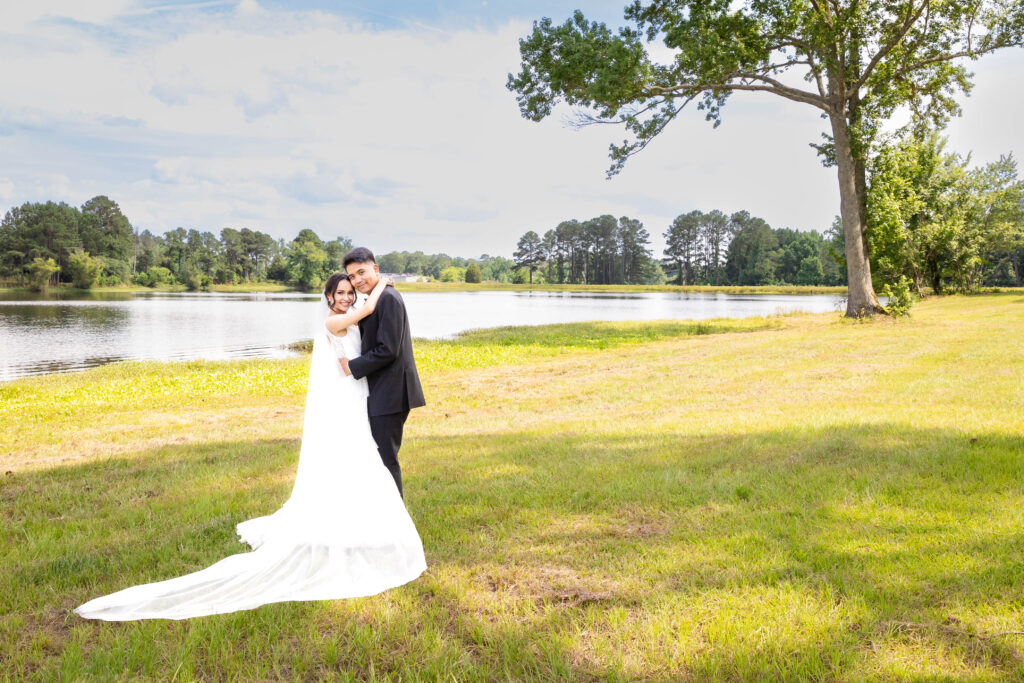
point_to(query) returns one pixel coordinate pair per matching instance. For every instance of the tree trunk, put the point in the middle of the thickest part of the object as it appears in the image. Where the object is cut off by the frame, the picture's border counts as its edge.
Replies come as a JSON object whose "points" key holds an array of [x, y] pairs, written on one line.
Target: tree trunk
{"points": [[861, 299]]}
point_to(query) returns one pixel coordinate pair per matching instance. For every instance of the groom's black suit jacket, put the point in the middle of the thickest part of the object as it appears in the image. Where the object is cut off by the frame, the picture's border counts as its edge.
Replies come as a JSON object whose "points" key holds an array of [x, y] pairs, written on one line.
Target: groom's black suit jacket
{"points": [[386, 361]]}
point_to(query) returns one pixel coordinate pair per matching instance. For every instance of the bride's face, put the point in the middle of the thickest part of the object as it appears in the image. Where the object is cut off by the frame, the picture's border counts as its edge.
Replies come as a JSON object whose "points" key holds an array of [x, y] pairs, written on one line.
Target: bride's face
{"points": [[344, 297]]}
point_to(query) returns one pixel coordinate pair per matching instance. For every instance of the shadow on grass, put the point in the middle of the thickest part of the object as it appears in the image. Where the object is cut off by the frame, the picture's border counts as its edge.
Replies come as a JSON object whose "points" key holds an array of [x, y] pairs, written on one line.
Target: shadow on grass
{"points": [[803, 554]]}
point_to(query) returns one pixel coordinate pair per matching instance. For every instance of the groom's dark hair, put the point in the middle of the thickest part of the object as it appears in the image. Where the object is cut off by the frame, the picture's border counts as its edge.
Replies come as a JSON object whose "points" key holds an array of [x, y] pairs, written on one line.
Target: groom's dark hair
{"points": [[358, 255]]}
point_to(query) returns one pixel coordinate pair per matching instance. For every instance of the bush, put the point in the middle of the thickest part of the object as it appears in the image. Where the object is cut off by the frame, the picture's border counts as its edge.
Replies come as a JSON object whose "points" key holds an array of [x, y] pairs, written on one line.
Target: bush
{"points": [[141, 279], [195, 280], [225, 276], [900, 297], [113, 271], [453, 274], [473, 273], [159, 276], [40, 271], [83, 269]]}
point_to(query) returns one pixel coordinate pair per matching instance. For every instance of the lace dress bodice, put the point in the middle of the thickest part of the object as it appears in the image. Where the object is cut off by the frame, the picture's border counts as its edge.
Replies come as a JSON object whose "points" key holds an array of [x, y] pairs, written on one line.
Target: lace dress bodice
{"points": [[350, 346]]}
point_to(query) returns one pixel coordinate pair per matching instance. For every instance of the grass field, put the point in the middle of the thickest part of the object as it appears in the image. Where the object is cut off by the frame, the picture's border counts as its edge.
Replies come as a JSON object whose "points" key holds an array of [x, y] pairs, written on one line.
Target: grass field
{"points": [[792, 498]]}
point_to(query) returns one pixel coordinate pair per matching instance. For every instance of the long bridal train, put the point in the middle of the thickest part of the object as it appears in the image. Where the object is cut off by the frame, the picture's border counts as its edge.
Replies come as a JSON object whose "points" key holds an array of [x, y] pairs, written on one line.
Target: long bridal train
{"points": [[344, 531]]}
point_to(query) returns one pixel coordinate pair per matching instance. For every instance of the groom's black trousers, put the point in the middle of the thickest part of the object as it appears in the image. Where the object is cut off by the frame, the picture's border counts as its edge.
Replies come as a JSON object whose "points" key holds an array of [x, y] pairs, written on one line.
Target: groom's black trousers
{"points": [[387, 432]]}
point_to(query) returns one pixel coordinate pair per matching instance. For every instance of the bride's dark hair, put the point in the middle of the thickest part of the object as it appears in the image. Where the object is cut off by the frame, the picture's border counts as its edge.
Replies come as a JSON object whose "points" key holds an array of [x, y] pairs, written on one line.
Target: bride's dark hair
{"points": [[332, 286]]}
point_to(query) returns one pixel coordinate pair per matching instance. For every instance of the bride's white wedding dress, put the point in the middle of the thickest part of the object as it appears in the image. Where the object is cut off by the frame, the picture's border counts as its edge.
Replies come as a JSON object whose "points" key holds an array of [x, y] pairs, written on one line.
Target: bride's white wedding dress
{"points": [[344, 531]]}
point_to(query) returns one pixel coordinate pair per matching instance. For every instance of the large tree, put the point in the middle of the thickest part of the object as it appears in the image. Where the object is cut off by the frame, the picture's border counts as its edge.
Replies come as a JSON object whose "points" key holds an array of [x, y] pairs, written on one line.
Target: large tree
{"points": [[105, 231], [529, 252], [860, 60]]}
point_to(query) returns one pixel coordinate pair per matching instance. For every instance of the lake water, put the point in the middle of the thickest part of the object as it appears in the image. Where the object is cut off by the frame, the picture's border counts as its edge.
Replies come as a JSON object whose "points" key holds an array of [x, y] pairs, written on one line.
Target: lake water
{"points": [[46, 335]]}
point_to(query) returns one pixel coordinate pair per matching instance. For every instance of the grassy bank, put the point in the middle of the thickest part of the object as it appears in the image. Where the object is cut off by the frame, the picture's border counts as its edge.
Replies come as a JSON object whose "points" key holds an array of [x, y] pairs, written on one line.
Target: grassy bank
{"points": [[799, 498]]}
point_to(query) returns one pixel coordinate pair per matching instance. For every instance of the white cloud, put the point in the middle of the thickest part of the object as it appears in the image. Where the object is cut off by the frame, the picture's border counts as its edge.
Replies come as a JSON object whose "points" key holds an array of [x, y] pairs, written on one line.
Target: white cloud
{"points": [[400, 139], [16, 16]]}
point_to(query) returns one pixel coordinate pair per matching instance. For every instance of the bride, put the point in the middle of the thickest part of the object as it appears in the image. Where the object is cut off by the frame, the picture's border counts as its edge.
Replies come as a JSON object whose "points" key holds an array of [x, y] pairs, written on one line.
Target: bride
{"points": [[344, 531]]}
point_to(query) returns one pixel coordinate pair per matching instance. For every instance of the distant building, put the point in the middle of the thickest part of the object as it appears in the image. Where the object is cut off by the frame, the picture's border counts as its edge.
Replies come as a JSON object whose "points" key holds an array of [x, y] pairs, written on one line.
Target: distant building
{"points": [[405, 277]]}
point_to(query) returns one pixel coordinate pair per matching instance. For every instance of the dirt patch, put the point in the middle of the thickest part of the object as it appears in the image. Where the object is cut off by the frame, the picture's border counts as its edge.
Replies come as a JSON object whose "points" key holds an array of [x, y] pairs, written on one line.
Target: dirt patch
{"points": [[551, 584]]}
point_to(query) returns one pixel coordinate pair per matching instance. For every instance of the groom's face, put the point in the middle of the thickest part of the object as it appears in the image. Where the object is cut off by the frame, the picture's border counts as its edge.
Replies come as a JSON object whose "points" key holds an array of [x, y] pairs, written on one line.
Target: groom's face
{"points": [[363, 276]]}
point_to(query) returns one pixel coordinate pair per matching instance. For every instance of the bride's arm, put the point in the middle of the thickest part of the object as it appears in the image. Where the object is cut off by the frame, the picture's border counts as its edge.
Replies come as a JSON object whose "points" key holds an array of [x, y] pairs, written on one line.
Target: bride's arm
{"points": [[337, 324]]}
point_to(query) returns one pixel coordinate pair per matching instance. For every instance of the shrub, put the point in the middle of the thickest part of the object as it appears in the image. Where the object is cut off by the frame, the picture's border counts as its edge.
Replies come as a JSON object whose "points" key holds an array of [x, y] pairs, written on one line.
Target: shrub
{"points": [[453, 274], [83, 269], [40, 271], [113, 271], [158, 276], [900, 297]]}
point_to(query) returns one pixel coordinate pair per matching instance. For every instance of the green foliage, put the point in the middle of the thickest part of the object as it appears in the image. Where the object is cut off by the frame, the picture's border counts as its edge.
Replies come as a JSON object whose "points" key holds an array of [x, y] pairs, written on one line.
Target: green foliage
{"points": [[900, 297], [195, 281], [307, 263], [866, 60], [860, 61], [602, 250], [105, 231], [47, 230], [113, 271], [158, 275], [453, 274], [529, 252], [40, 271], [83, 269], [473, 274], [937, 221]]}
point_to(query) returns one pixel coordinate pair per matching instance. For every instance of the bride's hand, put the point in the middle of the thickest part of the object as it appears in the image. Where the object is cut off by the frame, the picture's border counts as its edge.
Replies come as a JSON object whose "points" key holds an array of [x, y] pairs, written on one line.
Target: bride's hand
{"points": [[381, 284]]}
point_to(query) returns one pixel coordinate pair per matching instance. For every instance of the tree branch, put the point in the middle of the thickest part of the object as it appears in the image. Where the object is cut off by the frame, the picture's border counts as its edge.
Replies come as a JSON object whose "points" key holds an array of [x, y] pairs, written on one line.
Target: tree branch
{"points": [[786, 91], [817, 77], [771, 86], [822, 10], [938, 59], [908, 23], [791, 41]]}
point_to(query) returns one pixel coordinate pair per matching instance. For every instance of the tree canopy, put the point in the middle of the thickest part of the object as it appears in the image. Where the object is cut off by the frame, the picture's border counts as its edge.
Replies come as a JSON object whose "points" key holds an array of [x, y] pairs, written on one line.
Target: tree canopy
{"points": [[859, 62]]}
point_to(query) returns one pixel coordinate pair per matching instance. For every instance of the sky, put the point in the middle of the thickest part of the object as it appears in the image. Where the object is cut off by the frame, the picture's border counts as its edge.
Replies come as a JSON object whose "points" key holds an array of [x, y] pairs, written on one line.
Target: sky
{"points": [[384, 121]]}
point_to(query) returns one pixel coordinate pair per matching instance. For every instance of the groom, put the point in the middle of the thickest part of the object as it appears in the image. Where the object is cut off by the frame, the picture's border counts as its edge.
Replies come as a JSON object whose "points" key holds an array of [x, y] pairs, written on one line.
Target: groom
{"points": [[386, 361]]}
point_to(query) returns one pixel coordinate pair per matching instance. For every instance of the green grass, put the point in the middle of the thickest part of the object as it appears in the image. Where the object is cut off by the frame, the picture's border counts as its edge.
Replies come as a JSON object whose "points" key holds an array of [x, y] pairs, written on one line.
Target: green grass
{"points": [[793, 498]]}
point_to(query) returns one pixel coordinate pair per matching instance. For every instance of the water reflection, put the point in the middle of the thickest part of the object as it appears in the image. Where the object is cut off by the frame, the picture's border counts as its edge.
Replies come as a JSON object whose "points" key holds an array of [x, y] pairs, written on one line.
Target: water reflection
{"points": [[42, 334]]}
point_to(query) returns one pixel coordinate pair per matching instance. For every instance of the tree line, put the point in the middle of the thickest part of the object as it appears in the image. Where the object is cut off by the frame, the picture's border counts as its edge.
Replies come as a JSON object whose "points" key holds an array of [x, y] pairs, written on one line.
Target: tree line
{"points": [[702, 249], [602, 251], [933, 220], [47, 243]]}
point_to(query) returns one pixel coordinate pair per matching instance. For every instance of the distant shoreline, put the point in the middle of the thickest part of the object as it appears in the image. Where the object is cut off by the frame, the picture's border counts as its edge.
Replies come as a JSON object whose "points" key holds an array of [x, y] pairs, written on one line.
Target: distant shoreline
{"points": [[273, 287]]}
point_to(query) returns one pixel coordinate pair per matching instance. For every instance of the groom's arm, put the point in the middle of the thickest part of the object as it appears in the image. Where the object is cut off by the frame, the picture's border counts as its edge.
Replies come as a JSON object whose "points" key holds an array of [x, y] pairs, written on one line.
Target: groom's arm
{"points": [[389, 339]]}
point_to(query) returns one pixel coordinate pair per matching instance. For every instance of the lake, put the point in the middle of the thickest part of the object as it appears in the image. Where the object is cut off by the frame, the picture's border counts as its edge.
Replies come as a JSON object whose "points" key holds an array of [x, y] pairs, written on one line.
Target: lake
{"points": [[41, 335]]}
